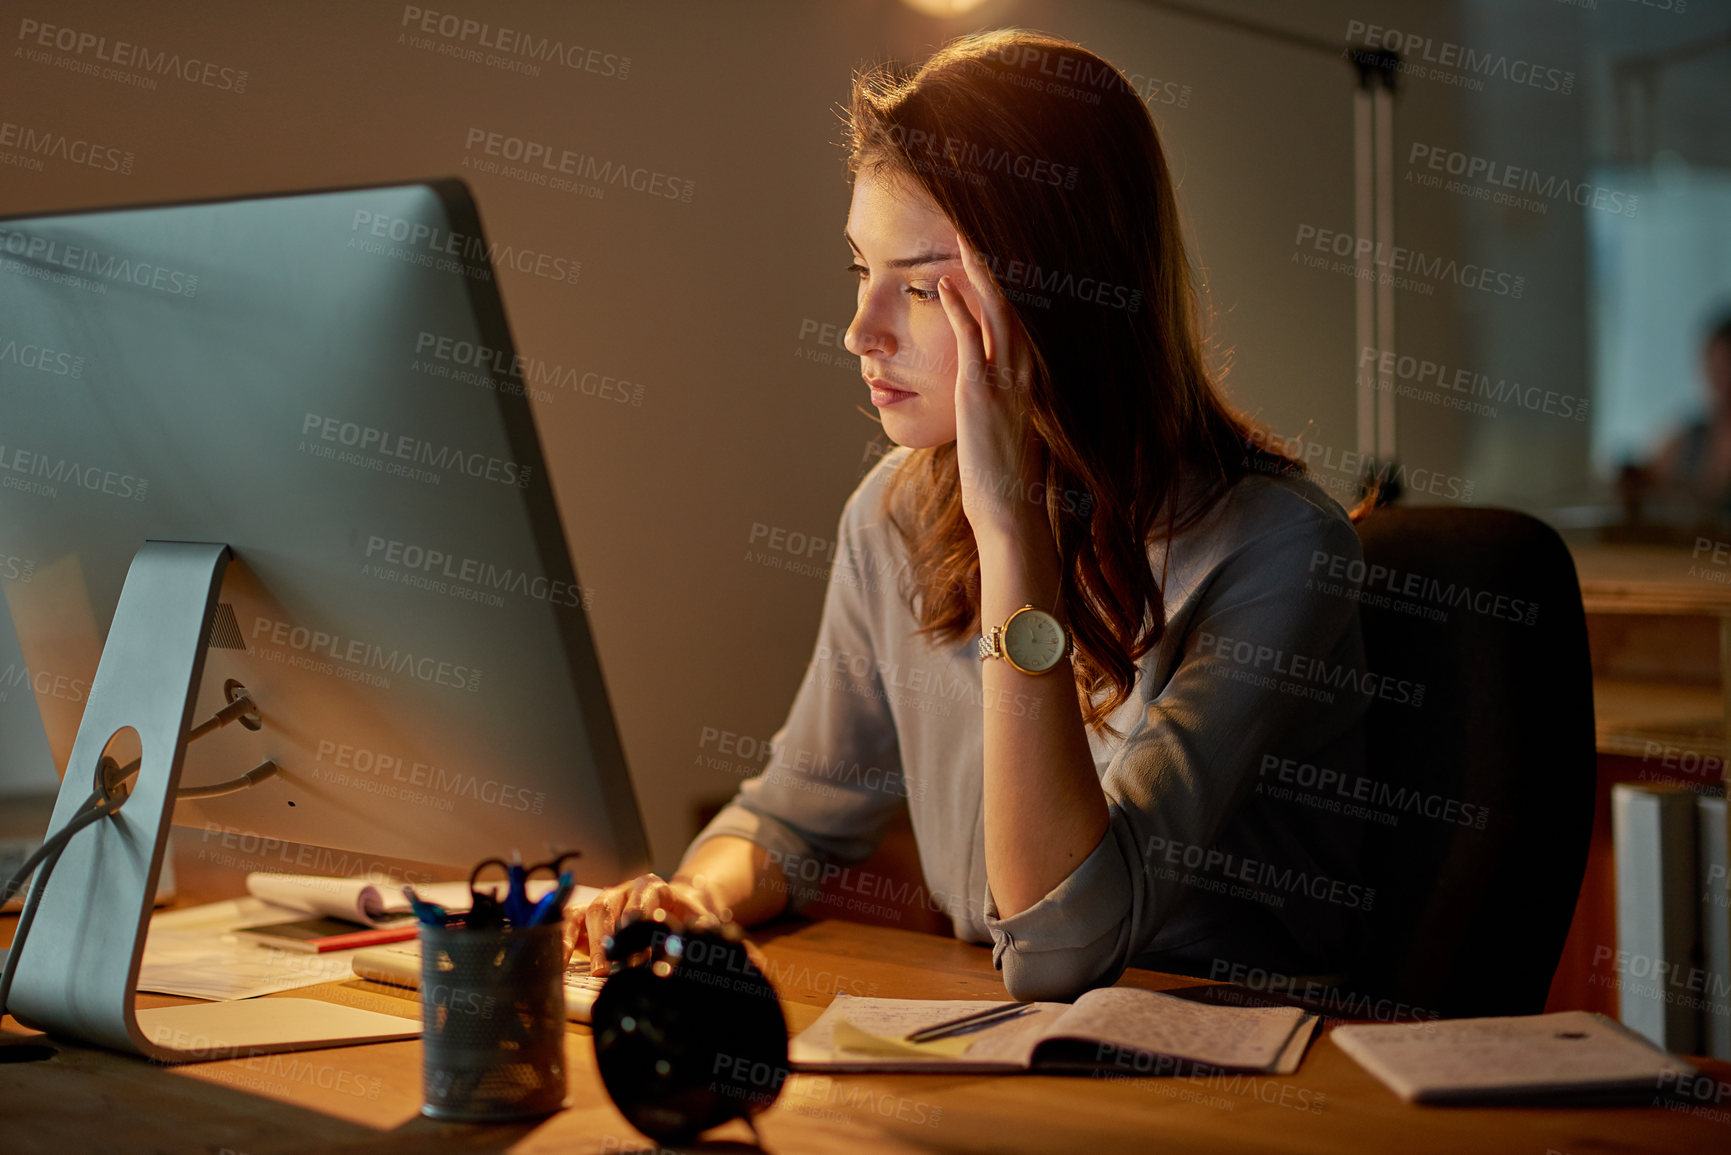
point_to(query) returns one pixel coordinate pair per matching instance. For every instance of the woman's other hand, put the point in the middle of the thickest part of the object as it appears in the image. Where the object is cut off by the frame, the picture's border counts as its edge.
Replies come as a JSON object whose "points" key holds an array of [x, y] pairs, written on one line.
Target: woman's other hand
{"points": [[587, 928]]}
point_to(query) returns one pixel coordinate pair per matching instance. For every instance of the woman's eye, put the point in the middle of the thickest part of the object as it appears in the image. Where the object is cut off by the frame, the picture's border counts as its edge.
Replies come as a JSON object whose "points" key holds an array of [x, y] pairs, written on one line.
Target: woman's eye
{"points": [[925, 296]]}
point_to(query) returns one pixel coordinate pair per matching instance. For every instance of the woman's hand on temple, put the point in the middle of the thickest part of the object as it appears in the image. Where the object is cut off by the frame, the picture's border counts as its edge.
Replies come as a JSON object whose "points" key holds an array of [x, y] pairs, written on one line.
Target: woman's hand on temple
{"points": [[998, 457], [587, 927]]}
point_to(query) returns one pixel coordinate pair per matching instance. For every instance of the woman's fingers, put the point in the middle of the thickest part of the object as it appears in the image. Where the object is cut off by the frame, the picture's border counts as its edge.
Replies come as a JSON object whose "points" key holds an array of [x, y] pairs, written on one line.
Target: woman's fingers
{"points": [[987, 352], [576, 929], [994, 310], [588, 928], [602, 917], [654, 896], [970, 343], [577, 937], [1008, 364], [597, 925]]}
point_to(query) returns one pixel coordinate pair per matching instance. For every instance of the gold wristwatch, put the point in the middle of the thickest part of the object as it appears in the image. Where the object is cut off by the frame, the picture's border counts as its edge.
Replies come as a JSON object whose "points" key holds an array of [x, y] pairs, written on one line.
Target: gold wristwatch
{"points": [[1030, 640]]}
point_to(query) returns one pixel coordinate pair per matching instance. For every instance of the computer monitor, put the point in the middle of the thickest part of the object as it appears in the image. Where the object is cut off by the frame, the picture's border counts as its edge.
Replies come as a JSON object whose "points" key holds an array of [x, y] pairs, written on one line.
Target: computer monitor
{"points": [[325, 384]]}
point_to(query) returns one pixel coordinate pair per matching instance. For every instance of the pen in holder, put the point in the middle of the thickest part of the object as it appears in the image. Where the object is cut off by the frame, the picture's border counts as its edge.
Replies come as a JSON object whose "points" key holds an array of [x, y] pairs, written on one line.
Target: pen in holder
{"points": [[493, 1015]]}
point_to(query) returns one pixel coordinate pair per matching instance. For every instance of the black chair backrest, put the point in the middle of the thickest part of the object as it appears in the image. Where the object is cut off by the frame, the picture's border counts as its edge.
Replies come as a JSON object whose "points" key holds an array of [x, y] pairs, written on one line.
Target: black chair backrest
{"points": [[1477, 883]]}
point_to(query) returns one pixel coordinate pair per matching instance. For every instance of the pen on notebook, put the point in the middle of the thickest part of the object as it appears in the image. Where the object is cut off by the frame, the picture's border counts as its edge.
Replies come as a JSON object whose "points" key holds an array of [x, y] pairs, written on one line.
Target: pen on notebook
{"points": [[954, 1026]]}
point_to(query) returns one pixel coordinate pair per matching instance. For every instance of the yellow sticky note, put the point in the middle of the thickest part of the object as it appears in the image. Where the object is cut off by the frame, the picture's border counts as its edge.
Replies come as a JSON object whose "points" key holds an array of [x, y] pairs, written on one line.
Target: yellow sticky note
{"points": [[850, 1038]]}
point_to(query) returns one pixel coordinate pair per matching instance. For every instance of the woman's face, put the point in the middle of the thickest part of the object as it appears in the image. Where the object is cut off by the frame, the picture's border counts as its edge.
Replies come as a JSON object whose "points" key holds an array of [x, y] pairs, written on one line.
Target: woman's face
{"points": [[902, 243]]}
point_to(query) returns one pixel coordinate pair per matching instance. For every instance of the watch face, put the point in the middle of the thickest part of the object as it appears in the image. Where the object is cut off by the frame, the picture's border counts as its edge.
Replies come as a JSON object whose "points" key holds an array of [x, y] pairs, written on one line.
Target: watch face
{"points": [[1034, 640]]}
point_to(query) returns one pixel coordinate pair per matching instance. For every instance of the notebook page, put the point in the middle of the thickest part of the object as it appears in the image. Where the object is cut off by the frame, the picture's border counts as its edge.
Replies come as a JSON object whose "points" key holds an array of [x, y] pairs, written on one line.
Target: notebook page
{"points": [[1008, 1044], [1293, 1053], [1252, 1038]]}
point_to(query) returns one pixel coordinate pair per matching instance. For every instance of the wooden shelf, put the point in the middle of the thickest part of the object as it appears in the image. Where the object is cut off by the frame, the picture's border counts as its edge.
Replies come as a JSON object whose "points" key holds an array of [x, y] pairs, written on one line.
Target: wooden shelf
{"points": [[1631, 713], [1650, 579], [1628, 716]]}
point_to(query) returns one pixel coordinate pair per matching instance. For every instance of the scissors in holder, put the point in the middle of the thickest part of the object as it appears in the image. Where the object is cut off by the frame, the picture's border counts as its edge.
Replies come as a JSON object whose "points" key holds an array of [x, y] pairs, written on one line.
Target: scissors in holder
{"points": [[515, 908]]}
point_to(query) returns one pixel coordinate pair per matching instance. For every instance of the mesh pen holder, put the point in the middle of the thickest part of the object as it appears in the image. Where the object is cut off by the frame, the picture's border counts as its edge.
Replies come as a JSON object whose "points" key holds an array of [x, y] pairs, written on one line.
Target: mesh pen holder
{"points": [[493, 1019]]}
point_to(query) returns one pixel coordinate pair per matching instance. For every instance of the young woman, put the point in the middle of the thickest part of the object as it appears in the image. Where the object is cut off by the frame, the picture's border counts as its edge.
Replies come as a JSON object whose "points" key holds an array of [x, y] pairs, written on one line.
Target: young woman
{"points": [[1083, 774]]}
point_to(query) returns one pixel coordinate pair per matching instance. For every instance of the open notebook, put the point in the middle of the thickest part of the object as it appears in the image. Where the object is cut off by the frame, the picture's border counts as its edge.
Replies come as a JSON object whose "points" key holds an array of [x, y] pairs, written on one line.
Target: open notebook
{"points": [[1114, 1029]]}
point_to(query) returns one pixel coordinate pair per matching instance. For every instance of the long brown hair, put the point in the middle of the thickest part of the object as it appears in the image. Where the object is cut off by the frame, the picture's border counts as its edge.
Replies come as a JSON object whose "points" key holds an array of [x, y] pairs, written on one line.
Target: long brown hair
{"points": [[1048, 163]]}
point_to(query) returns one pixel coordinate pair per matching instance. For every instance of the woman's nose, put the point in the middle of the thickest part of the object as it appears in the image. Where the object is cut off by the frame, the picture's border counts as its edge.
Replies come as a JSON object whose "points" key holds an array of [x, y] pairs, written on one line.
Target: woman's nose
{"points": [[866, 334]]}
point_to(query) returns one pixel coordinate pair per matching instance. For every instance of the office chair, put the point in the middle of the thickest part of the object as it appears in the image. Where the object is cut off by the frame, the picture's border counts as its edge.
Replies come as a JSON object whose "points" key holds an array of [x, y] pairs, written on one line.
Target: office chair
{"points": [[1469, 921]]}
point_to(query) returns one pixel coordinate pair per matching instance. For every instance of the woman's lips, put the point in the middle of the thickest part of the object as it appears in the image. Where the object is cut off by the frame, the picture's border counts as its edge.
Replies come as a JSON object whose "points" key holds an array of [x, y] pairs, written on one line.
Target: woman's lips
{"points": [[884, 395]]}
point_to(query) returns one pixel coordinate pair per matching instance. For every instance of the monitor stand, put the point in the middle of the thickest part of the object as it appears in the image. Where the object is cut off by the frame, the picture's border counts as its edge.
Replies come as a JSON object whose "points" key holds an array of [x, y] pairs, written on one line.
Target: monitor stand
{"points": [[77, 976]]}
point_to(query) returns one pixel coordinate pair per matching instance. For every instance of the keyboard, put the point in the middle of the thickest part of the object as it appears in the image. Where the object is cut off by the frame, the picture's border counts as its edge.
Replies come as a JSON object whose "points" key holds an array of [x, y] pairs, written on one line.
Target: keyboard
{"points": [[399, 965]]}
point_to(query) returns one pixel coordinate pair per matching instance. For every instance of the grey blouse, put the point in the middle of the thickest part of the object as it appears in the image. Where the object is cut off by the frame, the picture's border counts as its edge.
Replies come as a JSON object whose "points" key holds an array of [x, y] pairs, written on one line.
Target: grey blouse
{"points": [[1217, 856]]}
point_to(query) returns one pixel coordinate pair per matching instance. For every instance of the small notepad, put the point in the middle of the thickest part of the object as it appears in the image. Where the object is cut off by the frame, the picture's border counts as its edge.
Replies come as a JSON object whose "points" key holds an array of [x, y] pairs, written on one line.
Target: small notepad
{"points": [[1571, 1055]]}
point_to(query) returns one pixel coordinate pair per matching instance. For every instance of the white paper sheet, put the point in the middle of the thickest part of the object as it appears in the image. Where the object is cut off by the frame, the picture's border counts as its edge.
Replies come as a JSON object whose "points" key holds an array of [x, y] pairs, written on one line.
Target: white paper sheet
{"points": [[193, 952]]}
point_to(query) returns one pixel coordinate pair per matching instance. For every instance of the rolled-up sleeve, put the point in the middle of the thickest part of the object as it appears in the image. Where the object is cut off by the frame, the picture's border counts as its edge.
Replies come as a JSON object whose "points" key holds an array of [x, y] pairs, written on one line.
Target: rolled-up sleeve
{"points": [[1194, 754], [835, 776]]}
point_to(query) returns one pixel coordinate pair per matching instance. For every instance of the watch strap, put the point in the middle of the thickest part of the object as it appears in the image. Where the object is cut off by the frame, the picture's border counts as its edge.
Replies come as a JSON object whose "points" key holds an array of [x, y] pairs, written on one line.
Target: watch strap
{"points": [[992, 643]]}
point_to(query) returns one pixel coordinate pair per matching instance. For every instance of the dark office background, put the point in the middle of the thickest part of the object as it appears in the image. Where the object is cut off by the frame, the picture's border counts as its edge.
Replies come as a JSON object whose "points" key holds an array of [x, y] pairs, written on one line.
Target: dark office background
{"points": [[701, 508]]}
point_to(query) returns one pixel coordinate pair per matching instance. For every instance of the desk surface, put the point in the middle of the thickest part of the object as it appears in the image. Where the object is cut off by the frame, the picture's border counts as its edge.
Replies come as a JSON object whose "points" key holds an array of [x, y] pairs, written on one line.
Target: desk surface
{"points": [[366, 1099]]}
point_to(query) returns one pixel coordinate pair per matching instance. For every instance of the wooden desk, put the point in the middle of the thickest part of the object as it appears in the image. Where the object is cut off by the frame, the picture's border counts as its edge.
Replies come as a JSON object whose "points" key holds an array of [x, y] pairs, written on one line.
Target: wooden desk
{"points": [[366, 1099]]}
